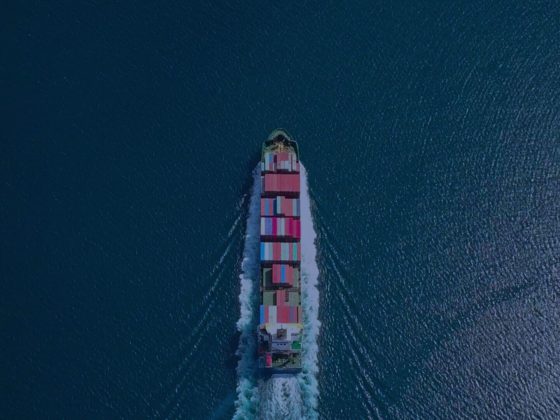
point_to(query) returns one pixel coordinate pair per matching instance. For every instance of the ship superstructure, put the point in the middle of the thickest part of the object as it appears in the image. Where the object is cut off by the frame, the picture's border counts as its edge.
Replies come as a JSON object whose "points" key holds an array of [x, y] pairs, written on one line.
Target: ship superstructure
{"points": [[280, 328]]}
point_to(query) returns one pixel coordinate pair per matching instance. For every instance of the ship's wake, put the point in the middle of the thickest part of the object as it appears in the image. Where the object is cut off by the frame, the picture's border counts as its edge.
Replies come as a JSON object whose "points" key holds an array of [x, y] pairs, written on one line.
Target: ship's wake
{"points": [[278, 397], [281, 399]]}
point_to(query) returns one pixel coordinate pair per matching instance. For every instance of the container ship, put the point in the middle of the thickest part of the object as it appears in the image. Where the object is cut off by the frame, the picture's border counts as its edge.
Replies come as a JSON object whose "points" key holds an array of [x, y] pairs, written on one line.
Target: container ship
{"points": [[280, 327]]}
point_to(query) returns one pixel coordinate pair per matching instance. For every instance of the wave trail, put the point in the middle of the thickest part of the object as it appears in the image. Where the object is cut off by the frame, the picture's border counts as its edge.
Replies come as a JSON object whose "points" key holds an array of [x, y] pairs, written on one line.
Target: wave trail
{"points": [[247, 397], [310, 305]]}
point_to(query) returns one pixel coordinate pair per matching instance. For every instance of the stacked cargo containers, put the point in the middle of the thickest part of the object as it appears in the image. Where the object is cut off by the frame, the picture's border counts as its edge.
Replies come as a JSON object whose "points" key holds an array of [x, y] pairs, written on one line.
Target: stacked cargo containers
{"points": [[267, 165], [280, 230], [284, 206], [280, 162], [282, 274], [280, 206], [280, 252], [286, 227], [280, 314], [286, 162]]}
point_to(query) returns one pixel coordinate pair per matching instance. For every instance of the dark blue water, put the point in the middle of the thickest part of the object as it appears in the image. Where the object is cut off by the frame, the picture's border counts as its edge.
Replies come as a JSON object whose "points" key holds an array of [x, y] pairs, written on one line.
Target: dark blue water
{"points": [[431, 138]]}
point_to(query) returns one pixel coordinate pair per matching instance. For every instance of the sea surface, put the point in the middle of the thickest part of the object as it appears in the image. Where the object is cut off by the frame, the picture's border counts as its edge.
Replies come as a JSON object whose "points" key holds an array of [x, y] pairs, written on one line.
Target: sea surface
{"points": [[430, 132]]}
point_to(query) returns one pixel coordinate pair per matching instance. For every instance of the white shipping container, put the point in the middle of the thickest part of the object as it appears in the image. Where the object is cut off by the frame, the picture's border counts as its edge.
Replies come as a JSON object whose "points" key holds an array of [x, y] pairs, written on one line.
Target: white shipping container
{"points": [[272, 314]]}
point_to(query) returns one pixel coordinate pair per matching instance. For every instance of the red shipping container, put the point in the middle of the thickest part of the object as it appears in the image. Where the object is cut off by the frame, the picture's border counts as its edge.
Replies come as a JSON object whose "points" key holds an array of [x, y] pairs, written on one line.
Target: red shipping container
{"points": [[288, 271], [283, 314], [290, 227], [284, 206], [282, 156], [293, 314], [281, 298], [276, 273], [281, 183], [296, 228], [280, 227]]}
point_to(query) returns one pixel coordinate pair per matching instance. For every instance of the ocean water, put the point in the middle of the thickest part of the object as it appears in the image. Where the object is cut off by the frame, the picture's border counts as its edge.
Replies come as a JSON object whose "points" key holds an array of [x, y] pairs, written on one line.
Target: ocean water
{"points": [[430, 136]]}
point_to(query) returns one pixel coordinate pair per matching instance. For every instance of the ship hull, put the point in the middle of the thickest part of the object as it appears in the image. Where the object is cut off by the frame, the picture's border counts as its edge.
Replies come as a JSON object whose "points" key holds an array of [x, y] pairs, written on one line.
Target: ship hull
{"points": [[280, 327]]}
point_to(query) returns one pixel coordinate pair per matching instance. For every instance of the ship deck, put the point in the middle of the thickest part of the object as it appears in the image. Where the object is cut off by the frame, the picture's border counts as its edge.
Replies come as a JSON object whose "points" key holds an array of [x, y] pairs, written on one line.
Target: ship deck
{"points": [[284, 360]]}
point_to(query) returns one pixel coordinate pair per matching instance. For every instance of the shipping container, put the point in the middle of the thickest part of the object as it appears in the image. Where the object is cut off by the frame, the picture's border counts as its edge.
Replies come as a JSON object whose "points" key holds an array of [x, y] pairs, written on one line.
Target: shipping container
{"points": [[280, 251], [268, 207], [267, 164], [293, 314], [281, 297], [280, 227], [263, 314], [286, 162], [287, 314], [280, 314], [278, 209], [293, 298], [279, 162], [282, 274], [295, 163], [280, 183], [272, 314], [283, 314], [267, 277], [285, 206], [269, 298]]}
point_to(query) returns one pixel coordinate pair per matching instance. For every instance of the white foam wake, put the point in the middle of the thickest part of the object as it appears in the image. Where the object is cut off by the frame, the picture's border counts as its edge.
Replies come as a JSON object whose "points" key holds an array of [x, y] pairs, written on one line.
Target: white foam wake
{"points": [[247, 397], [285, 397], [310, 305]]}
